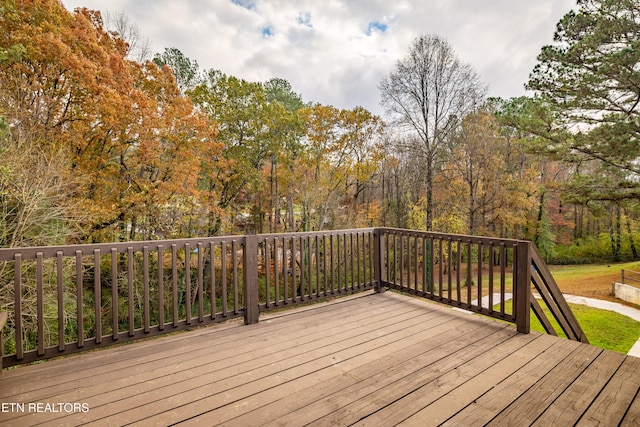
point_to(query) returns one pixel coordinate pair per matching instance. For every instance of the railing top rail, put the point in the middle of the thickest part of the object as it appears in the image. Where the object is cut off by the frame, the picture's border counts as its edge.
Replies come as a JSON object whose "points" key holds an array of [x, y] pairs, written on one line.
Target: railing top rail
{"points": [[8, 254], [460, 237], [263, 237]]}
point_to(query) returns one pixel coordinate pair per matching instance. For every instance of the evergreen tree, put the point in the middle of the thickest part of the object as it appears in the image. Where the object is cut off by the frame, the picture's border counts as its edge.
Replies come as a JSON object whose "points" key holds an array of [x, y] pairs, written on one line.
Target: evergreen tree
{"points": [[590, 80]]}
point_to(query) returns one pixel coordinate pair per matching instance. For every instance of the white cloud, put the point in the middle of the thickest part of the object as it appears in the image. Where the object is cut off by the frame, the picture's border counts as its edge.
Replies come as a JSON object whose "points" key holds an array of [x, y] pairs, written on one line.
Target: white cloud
{"points": [[337, 51]]}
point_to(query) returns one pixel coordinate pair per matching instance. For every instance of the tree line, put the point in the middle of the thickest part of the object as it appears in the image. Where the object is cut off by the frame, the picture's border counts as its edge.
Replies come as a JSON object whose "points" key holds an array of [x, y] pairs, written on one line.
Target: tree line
{"points": [[101, 142]]}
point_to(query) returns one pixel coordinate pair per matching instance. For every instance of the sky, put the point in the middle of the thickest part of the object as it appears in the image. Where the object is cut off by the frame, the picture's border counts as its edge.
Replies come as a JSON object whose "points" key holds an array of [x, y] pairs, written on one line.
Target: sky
{"points": [[336, 52]]}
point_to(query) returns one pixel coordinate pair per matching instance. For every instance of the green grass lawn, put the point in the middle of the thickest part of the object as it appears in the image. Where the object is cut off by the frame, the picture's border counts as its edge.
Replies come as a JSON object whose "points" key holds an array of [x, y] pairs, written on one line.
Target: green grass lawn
{"points": [[605, 329], [582, 270]]}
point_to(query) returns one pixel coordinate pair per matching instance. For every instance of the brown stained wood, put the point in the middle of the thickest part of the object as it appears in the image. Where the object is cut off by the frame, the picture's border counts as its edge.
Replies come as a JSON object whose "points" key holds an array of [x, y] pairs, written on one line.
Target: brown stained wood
{"points": [[145, 282], [178, 344], [361, 356], [479, 267], [317, 270], [491, 262], [276, 272], [522, 286], [358, 376], [502, 393], [542, 318], [632, 417], [615, 398], [40, 304], [226, 340], [250, 280], [160, 288], [566, 410], [554, 290], [555, 310], [79, 299], [435, 402], [60, 294], [3, 319], [174, 283], [530, 405], [343, 378], [399, 396], [458, 268], [234, 258], [228, 366], [449, 269], [130, 295], [208, 392], [200, 282], [503, 266]]}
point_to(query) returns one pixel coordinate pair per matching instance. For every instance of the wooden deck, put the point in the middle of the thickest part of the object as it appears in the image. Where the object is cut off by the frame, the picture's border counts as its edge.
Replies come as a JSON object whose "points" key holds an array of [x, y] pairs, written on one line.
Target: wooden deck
{"points": [[375, 359]]}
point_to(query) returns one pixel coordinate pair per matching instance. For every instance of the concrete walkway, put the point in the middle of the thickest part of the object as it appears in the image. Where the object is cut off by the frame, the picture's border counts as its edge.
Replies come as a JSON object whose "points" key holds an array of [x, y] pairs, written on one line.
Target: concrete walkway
{"points": [[590, 302]]}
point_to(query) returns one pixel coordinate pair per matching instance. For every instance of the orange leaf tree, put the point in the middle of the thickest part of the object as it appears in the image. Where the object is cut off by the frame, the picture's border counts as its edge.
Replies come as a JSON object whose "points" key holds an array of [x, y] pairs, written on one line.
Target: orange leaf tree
{"points": [[130, 144]]}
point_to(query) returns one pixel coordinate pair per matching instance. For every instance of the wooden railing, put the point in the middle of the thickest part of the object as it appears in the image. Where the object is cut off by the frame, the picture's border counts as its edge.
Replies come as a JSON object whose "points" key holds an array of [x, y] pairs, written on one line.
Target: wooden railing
{"points": [[302, 267], [478, 274], [474, 273], [67, 299]]}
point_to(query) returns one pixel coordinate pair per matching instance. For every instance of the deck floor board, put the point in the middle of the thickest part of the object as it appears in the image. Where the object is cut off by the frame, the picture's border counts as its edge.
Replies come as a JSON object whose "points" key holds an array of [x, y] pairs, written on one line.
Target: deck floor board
{"points": [[373, 359], [458, 389]]}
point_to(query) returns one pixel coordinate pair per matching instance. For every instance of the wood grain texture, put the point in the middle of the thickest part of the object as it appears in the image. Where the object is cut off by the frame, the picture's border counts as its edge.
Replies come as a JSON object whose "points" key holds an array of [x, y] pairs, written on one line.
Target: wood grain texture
{"points": [[374, 359]]}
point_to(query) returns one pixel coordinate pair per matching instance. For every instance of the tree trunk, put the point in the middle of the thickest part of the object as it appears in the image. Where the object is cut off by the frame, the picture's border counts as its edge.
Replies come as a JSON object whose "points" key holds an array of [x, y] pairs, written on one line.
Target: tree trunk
{"points": [[618, 233], [536, 238], [134, 225], [272, 213], [429, 223], [277, 203], [614, 233], [291, 219]]}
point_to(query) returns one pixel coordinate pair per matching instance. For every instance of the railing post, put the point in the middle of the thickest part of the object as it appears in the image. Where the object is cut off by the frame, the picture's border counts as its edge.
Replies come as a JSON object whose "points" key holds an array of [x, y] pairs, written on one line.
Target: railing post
{"points": [[522, 289], [3, 319], [250, 276], [378, 258]]}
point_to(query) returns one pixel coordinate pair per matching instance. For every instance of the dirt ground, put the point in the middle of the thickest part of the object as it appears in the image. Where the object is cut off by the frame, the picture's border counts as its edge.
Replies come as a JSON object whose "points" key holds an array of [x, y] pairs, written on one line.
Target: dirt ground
{"points": [[594, 287], [592, 281]]}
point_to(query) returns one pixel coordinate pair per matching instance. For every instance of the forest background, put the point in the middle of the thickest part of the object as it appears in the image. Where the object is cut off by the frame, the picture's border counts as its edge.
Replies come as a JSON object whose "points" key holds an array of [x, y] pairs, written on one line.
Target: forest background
{"points": [[102, 140]]}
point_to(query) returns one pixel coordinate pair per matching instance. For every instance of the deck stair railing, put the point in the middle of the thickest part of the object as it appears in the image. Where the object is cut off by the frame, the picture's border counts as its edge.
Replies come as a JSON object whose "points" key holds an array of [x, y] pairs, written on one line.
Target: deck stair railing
{"points": [[549, 292], [66, 299]]}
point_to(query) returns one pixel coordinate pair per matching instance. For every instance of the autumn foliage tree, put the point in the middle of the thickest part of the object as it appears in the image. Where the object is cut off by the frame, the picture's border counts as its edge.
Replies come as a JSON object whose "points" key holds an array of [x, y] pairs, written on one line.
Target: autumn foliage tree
{"points": [[426, 95], [483, 185], [342, 148], [123, 139]]}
